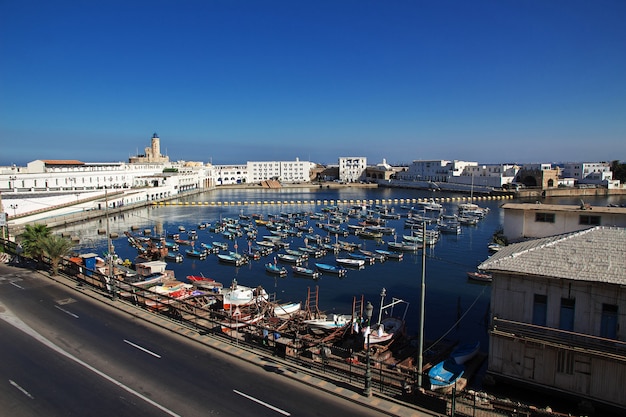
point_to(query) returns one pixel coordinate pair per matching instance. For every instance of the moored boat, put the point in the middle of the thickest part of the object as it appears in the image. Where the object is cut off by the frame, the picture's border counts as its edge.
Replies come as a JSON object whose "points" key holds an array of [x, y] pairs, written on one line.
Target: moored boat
{"points": [[480, 276], [275, 269], [390, 254], [331, 269], [305, 272], [445, 374], [352, 263], [233, 260], [465, 352]]}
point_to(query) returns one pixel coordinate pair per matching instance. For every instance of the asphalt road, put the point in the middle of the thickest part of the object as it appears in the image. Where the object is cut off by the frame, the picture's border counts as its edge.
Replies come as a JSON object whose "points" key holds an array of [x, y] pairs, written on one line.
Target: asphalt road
{"points": [[81, 358]]}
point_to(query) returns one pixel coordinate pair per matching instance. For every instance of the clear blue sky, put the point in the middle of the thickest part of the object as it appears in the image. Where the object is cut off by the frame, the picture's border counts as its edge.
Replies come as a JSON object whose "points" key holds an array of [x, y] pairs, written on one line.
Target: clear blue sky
{"points": [[230, 81]]}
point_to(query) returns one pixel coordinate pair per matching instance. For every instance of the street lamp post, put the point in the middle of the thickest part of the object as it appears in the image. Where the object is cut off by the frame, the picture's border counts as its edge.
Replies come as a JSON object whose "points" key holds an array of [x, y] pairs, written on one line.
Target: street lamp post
{"points": [[369, 309], [14, 207]]}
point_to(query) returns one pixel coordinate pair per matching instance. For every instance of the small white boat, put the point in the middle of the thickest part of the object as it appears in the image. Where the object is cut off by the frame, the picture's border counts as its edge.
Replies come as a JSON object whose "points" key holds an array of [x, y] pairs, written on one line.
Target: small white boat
{"points": [[238, 295], [389, 328], [287, 309], [352, 263], [332, 321]]}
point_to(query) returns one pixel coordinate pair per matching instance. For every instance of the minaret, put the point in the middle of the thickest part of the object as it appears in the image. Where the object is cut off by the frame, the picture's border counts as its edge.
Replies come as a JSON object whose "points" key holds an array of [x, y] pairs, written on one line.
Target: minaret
{"points": [[156, 148]]}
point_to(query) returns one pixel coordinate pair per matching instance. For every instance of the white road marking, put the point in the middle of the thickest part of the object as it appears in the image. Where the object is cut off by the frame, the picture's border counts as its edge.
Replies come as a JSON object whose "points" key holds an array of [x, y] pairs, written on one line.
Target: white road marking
{"points": [[256, 400], [21, 389], [142, 348], [17, 285], [67, 312], [12, 319]]}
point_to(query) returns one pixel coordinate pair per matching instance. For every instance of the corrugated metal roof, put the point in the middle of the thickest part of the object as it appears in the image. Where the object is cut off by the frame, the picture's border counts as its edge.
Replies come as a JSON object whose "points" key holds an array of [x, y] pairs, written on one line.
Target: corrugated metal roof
{"points": [[597, 254]]}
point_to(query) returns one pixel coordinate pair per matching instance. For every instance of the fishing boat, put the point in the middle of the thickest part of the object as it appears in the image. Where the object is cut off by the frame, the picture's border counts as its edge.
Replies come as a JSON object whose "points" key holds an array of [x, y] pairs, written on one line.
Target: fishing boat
{"points": [[239, 295], [201, 281], [238, 320], [174, 257], [305, 272], [283, 257], [380, 257], [210, 248], [390, 254], [389, 328], [194, 253], [332, 321], [404, 246], [287, 309], [465, 352], [275, 269], [331, 269], [220, 245], [351, 263], [368, 260], [233, 260], [445, 374], [480, 276]]}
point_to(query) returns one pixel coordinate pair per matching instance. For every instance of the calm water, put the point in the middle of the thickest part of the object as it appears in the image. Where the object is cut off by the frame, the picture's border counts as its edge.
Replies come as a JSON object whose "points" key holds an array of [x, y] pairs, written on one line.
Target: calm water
{"points": [[449, 294]]}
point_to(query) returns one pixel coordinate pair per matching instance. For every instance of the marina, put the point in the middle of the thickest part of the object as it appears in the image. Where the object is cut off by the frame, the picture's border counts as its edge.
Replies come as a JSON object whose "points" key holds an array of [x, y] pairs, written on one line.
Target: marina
{"points": [[456, 307]]}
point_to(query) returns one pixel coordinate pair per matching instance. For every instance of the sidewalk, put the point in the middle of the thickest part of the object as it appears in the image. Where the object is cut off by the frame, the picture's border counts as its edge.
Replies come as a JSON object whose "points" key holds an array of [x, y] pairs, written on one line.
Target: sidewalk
{"points": [[382, 403]]}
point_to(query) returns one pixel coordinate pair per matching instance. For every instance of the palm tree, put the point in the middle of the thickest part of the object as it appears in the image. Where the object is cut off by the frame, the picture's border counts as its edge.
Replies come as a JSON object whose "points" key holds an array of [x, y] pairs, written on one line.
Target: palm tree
{"points": [[31, 239], [55, 247]]}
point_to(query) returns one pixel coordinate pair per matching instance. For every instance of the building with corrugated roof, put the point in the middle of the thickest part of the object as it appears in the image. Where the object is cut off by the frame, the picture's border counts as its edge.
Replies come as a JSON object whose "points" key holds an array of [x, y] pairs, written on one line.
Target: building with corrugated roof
{"points": [[558, 314]]}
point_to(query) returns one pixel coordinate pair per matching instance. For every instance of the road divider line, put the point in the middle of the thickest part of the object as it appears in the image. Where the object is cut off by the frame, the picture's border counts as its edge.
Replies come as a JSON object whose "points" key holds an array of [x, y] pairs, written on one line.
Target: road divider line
{"points": [[143, 349], [16, 385], [67, 312], [17, 285], [12, 319], [256, 400]]}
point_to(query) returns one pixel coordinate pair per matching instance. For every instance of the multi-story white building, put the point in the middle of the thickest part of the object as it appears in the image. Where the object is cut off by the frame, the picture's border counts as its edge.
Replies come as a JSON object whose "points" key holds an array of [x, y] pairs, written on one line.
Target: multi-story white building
{"points": [[426, 170], [486, 175], [284, 171], [352, 168], [230, 174], [598, 173]]}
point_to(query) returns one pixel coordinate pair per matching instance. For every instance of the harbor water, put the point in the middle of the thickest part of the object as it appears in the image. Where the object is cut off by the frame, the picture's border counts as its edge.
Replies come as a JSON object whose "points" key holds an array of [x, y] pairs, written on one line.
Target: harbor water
{"points": [[455, 307]]}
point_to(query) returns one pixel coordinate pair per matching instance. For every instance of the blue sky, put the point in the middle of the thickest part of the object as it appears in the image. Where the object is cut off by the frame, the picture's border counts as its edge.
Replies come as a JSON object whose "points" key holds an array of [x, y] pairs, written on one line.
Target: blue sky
{"points": [[230, 81]]}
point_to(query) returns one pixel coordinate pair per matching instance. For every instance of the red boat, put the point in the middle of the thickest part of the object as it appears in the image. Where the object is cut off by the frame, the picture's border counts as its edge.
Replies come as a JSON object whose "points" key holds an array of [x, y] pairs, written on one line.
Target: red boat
{"points": [[204, 282]]}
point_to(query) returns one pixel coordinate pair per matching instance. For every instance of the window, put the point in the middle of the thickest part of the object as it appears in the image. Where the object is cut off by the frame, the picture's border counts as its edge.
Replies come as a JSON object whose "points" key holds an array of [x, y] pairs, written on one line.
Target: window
{"points": [[544, 217], [608, 321], [566, 320], [540, 309], [589, 220], [565, 362]]}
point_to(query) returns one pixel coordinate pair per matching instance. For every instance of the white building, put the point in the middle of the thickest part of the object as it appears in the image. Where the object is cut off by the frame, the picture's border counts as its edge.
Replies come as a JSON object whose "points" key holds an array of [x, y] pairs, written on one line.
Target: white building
{"points": [[486, 175], [598, 173], [428, 170], [284, 171], [352, 169], [528, 220], [230, 174]]}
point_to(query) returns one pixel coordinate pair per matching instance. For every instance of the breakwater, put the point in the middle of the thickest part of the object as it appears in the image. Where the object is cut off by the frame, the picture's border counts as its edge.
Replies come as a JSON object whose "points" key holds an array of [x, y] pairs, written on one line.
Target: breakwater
{"points": [[331, 202]]}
